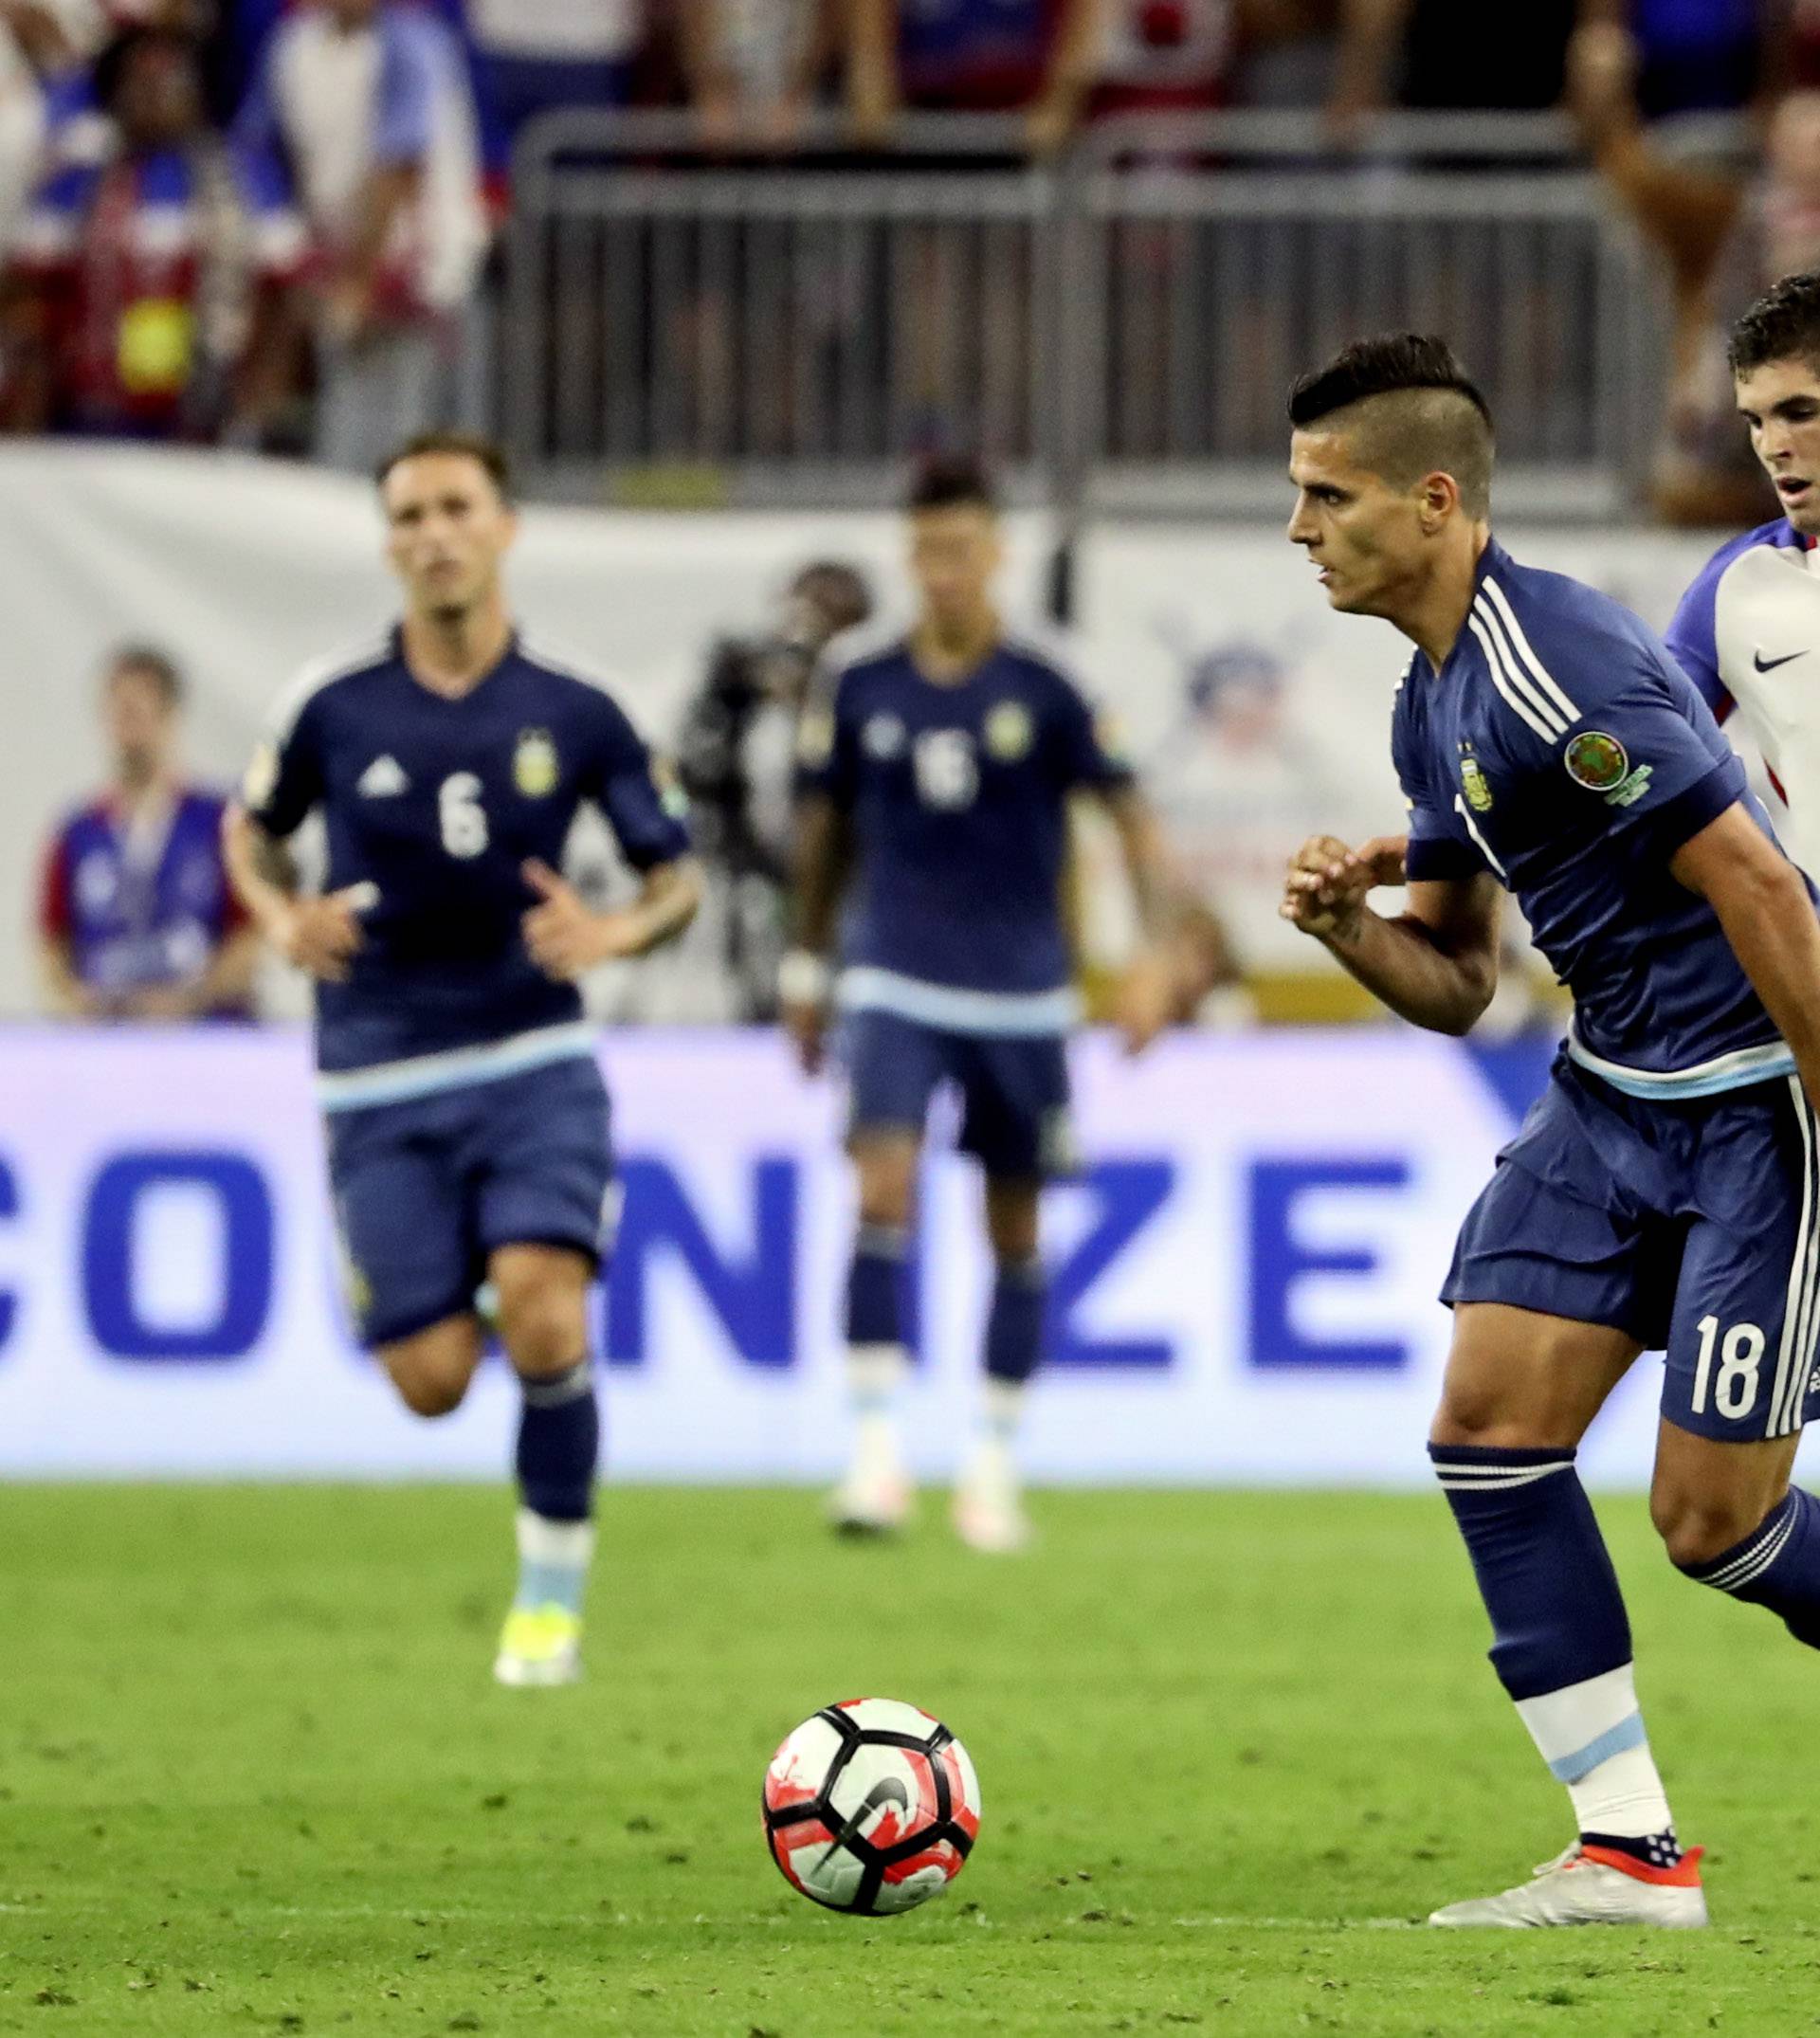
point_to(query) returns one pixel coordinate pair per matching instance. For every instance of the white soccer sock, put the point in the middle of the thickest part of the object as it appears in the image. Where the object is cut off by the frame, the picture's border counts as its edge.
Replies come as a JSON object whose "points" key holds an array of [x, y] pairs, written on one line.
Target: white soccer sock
{"points": [[875, 1375], [1623, 1796], [1592, 1737], [554, 1557], [1002, 1411]]}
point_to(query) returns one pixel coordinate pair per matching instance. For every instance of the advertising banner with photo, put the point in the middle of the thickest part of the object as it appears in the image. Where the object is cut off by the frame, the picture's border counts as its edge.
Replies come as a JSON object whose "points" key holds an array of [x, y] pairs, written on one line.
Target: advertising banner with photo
{"points": [[1257, 715], [1244, 1279]]}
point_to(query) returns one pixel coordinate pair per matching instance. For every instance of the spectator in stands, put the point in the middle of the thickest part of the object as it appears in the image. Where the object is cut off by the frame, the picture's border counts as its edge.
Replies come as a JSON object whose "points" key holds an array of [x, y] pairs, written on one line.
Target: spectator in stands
{"points": [[40, 40], [1725, 237], [1286, 51], [1165, 56], [1692, 56], [1799, 43], [138, 920], [540, 56], [1034, 57], [1447, 55], [151, 290], [364, 110], [752, 66]]}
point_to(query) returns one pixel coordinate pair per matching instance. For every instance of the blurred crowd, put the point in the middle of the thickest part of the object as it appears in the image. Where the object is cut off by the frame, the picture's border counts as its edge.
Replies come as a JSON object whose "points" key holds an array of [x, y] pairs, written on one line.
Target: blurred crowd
{"points": [[266, 223]]}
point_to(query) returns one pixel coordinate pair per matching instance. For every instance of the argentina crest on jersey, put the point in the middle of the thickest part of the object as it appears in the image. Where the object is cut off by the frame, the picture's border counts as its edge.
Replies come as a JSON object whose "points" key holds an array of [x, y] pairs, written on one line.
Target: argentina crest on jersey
{"points": [[536, 766], [1008, 732], [1473, 781]]}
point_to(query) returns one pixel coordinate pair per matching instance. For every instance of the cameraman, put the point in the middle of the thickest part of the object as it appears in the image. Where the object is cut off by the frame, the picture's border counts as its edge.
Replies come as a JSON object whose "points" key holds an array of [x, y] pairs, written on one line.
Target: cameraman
{"points": [[736, 754]]}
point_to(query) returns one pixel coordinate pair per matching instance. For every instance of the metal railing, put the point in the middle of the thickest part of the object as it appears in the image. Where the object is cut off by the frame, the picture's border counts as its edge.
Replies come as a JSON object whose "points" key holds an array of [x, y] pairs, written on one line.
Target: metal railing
{"points": [[1113, 327]]}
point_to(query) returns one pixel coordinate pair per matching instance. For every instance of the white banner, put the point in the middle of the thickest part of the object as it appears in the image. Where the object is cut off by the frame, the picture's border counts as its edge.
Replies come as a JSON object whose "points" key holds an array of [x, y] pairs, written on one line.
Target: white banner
{"points": [[1258, 713], [1244, 1282]]}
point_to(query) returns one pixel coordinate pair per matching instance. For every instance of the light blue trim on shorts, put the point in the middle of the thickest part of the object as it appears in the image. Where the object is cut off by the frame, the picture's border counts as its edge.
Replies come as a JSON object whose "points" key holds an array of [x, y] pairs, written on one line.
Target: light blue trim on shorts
{"points": [[455, 1068], [994, 1014], [1733, 1071]]}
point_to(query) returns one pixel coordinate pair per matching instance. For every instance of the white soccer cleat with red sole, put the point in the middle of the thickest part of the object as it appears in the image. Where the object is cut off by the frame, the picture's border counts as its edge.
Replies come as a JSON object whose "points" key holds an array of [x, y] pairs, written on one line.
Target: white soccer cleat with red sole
{"points": [[1593, 1886]]}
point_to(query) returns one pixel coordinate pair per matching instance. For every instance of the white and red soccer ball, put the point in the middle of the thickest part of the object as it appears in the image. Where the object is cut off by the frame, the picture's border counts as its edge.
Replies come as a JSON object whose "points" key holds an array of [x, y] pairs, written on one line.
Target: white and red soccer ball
{"points": [[871, 1807]]}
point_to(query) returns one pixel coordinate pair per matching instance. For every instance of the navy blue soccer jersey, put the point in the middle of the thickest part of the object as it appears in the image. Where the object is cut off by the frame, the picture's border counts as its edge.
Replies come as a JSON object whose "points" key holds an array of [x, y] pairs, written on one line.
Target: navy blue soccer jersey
{"points": [[435, 804], [957, 796], [1562, 750]]}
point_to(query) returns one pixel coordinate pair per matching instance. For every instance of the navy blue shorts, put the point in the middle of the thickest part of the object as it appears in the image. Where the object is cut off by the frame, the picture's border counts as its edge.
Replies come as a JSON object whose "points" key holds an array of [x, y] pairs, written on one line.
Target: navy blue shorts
{"points": [[1690, 1225], [426, 1191], [1013, 1091]]}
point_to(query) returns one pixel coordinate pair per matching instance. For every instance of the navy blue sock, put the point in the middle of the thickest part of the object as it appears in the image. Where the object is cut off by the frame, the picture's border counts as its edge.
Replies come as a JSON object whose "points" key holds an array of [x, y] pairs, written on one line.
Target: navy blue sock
{"points": [[1014, 1322], [1561, 1641], [559, 1444], [1778, 1565], [1557, 1614], [875, 1284]]}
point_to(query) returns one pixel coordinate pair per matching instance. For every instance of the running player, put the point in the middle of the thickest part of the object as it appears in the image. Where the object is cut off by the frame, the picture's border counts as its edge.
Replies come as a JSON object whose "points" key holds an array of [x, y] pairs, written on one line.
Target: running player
{"points": [[1664, 1192], [1747, 632], [466, 1121], [938, 778]]}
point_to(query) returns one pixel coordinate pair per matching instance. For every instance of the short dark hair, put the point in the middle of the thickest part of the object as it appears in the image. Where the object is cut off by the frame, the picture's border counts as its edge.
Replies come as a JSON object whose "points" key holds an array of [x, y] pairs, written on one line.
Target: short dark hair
{"points": [[1426, 412], [488, 453], [950, 481], [152, 664], [1783, 325]]}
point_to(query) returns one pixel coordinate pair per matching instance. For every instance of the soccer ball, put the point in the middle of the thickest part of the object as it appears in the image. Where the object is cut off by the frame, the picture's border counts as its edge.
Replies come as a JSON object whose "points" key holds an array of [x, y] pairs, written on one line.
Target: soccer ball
{"points": [[871, 1807]]}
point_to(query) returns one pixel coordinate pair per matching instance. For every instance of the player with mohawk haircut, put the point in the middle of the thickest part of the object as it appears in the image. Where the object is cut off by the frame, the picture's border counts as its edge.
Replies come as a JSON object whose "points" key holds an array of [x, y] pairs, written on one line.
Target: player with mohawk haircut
{"points": [[1665, 1193]]}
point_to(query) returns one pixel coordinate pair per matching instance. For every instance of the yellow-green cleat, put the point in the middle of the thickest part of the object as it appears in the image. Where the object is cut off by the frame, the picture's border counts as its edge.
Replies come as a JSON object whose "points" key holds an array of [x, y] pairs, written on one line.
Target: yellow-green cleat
{"points": [[539, 1645]]}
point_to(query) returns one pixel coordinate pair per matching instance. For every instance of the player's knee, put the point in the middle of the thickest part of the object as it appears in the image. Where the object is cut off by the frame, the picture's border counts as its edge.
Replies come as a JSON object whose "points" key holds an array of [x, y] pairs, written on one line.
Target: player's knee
{"points": [[887, 1192], [544, 1330], [432, 1382], [1014, 1221], [1698, 1526], [1476, 1413]]}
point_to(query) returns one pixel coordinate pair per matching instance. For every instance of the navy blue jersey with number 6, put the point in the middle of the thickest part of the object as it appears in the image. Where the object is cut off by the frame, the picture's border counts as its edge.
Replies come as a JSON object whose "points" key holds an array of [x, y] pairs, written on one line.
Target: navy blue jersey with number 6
{"points": [[434, 804]]}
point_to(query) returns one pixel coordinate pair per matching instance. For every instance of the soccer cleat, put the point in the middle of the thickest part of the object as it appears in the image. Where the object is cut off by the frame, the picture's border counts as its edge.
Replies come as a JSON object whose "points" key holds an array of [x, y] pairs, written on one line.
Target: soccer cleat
{"points": [[873, 1499], [989, 1510], [539, 1645], [1593, 1885]]}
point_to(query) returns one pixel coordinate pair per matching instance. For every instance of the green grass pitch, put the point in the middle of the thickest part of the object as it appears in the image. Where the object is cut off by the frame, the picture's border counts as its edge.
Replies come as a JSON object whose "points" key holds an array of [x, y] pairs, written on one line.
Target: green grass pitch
{"points": [[254, 1777]]}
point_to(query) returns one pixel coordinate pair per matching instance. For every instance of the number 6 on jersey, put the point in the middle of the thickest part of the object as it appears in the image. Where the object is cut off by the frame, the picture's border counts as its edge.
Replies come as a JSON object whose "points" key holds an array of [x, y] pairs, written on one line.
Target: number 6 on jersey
{"points": [[464, 819]]}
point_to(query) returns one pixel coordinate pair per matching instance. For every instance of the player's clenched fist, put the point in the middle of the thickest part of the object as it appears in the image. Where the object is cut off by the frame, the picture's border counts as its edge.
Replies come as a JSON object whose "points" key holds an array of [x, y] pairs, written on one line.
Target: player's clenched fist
{"points": [[322, 936], [565, 936], [1326, 884]]}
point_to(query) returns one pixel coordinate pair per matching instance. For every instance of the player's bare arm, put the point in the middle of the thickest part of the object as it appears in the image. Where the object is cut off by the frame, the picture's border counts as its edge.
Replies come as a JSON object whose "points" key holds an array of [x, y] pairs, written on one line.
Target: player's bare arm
{"points": [[1186, 953], [823, 861], [1763, 905], [318, 935], [1435, 964], [567, 938]]}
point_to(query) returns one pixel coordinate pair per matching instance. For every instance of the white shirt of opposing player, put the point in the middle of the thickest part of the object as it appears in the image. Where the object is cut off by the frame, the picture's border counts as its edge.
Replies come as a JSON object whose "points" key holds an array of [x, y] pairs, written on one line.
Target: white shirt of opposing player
{"points": [[1767, 629]]}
